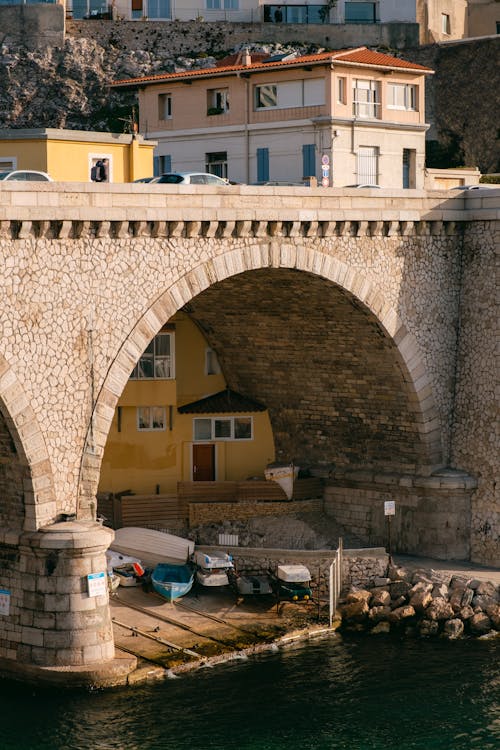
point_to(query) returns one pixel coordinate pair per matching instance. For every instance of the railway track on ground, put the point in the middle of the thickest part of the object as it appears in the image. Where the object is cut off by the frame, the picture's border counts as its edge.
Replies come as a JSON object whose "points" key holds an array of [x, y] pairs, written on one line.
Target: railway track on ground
{"points": [[184, 626]]}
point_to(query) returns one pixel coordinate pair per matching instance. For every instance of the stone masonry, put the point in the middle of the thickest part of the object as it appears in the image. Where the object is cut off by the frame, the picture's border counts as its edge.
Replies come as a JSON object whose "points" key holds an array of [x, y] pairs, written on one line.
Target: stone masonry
{"points": [[366, 324]]}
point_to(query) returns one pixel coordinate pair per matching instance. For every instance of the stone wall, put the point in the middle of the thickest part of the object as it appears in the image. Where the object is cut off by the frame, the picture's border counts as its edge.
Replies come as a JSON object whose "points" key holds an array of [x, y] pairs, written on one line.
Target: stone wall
{"points": [[177, 37], [205, 513], [32, 26], [432, 513]]}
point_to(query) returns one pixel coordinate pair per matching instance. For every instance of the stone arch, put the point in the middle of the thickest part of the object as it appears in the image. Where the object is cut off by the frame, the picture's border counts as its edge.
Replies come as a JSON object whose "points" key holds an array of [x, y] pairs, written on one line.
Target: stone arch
{"points": [[20, 421], [232, 263]]}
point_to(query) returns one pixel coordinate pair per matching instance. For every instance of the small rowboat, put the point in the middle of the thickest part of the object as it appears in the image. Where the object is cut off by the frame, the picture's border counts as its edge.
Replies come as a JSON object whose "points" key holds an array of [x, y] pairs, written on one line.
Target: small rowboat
{"points": [[284, 475], [212, 568], [172, 581]]}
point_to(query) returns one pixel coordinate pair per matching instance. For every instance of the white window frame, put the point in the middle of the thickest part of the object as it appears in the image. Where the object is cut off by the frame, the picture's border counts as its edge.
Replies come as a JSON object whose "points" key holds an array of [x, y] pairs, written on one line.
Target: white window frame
{"points": [[12, 160], [445, 24], [135, 375], [257, 96], [164, 107], [218, 99], [94, 157], [366, 105], [151, 428], [408, 99], [341, 89], [215, 438]]}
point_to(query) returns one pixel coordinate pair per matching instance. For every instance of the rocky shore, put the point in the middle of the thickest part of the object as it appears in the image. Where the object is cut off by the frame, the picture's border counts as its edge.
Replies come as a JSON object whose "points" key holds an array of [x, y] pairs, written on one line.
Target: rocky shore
{"points": [[424, 603]]}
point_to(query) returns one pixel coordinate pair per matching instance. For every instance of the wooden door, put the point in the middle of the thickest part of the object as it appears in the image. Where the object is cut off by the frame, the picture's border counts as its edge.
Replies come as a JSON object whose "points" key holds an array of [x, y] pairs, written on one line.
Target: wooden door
{"points": [[203, 462]]}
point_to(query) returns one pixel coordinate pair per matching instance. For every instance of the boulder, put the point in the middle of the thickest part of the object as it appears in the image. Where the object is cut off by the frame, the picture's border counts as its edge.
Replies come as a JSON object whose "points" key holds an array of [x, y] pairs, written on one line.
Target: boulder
{"points": [[398, 602], [493, 613], [421, 587], [399, 588], [483, 601], [439, 609], [441, 591], [466, 613], [420, 600], [381, 627], [453, 628], [401, 613], [377, 614], [359, 595], [428, 628], [381, 582], [479, 624], [380, 597], [487, 588], [354, 611]]}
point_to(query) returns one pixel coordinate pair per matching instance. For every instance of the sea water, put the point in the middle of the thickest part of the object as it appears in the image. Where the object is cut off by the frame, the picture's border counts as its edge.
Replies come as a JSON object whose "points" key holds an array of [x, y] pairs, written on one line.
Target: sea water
{"points": [[336, 693]]}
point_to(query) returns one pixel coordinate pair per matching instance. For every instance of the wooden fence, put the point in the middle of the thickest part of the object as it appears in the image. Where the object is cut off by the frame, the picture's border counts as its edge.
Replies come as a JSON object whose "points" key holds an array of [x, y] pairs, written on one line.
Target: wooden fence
{"points": [[172, 511]]}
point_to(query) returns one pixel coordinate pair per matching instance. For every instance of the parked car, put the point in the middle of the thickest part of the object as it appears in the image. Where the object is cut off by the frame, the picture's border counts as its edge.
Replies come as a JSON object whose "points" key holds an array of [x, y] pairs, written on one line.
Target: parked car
{"points": [[191, 178], [27, 175], [475, 187], [146, 179], [362, 185]]}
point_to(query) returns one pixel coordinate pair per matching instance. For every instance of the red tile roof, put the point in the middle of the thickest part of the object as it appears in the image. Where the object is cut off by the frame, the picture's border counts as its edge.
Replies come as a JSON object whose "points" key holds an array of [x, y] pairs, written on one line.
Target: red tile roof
{"points": [[359, 56]]}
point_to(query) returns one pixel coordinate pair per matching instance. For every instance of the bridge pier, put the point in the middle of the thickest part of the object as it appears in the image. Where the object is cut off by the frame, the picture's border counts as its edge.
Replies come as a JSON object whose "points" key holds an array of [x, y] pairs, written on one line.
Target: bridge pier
{"points": [[56, 629]]}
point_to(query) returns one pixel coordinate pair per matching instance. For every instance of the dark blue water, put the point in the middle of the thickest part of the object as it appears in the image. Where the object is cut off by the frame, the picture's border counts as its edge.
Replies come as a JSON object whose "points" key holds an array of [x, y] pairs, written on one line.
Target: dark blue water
{"points": [[373, 693]]}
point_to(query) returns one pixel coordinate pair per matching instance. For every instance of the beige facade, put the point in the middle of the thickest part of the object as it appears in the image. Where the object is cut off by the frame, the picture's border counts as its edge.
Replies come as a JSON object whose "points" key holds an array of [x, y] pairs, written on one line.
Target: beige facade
{"points": [[357, 113], [442, 20], [483, 17]]}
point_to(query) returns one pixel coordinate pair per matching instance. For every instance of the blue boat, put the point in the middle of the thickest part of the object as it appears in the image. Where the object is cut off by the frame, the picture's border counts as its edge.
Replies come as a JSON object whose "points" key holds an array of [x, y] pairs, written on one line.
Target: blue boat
{"points": [[172, 581]]}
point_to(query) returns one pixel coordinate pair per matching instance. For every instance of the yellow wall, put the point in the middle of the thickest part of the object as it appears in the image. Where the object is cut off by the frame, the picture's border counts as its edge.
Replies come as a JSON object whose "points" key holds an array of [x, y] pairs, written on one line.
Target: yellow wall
{"points": [[69, 159], [141, 460]]}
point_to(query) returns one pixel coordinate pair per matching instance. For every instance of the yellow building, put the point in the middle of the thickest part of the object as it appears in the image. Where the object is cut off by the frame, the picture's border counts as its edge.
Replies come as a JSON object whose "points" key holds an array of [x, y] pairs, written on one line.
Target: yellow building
{"points": [[177, 421], [69, 155]]}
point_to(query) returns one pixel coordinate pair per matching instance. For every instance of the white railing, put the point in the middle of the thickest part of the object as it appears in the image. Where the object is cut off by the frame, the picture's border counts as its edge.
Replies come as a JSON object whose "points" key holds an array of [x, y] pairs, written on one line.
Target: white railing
{"points": [[335, 582]]}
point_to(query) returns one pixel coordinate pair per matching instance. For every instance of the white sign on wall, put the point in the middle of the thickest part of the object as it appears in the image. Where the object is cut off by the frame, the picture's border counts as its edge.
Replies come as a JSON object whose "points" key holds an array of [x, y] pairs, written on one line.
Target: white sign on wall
{"points": [[97, 584], [4, 602], [390, 508]]}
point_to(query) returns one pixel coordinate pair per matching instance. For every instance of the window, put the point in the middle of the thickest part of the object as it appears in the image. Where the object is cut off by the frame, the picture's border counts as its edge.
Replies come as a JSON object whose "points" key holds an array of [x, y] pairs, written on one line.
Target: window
{"points": [[409, 168], [231, 4], [165, 106], [359, 12], [296, 13], [157, 362], [151, 418], [341, 90], [309, 160], [213, 4], [262, 164], [367, 165], [7, 163], [216, 163], [162, 164], [217, 101], [223, 428], [445, 23], [212, 366], [365, 98], [158, 9], [401, 96], [266, 96]]}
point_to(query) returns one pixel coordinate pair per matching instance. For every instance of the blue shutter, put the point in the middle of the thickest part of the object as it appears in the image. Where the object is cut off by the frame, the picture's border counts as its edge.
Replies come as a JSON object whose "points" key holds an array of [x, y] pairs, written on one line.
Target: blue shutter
{"points": [[156, 166], [167, 163], [262, 164], [309, 160]]}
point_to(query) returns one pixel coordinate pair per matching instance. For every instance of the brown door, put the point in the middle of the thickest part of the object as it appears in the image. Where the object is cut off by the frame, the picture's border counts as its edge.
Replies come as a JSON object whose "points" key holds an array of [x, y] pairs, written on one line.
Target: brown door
{"points": [[203, 462]]}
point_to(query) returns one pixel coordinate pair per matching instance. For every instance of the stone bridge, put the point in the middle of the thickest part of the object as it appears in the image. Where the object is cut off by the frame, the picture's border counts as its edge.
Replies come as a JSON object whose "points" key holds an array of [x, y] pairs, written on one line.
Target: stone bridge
{"points": [[366, 325]]}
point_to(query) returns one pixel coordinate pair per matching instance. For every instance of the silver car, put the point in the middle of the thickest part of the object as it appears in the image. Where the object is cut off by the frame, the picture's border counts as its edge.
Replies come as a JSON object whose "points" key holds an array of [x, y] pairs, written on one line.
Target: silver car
{"points": [[26, 175], [189, 178]]}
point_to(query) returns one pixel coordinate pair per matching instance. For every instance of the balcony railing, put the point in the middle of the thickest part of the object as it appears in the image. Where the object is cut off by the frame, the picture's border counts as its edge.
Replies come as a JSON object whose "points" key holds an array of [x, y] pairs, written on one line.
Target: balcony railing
{"points": [[366, 110]]}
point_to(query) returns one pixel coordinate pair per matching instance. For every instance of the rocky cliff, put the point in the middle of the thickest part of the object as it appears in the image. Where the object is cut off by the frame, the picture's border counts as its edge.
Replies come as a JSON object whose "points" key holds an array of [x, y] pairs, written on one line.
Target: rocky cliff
{"points": [[68, 86]]}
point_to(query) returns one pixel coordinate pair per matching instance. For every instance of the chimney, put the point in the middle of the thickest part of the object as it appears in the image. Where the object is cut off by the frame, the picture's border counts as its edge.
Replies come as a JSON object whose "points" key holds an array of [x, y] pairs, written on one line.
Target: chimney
{"points": [[246, 58]]}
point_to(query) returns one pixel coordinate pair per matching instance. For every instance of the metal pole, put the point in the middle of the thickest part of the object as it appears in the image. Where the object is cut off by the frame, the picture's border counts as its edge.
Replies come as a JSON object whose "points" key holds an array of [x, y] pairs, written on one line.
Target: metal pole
{"points": [[389, 539]]}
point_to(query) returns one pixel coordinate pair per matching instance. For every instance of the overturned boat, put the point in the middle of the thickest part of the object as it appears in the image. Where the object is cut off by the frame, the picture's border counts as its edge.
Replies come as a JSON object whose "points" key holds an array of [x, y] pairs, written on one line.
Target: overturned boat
{"points": [[152, 547], [284, 474]]}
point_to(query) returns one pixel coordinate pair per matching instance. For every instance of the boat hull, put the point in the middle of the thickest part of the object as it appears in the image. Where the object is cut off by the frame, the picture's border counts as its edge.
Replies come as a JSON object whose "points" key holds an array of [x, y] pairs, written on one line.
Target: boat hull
{"points": [[152, 546], [212, 577], [172, 581]]}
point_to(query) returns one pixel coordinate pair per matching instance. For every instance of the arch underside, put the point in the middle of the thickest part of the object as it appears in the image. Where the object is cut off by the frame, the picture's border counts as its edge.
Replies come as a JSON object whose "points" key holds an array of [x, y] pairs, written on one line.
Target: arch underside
{"points": [[333, 363], [333, 382]]}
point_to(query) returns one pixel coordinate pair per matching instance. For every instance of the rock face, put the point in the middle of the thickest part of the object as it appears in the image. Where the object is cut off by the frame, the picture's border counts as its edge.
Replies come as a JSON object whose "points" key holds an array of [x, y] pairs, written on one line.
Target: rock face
{"points": [[424, 603]]}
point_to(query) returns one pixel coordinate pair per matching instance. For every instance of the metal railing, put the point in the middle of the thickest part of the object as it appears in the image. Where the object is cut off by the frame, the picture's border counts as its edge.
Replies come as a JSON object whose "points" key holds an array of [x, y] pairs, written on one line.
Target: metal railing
{"points": [[335, 581]]}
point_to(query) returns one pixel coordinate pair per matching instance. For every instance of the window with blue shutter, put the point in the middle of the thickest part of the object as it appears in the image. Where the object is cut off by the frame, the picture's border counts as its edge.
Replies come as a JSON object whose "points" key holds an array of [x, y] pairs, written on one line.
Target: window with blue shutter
{"points": [[309, 160], [156, 166], [262, 164]]}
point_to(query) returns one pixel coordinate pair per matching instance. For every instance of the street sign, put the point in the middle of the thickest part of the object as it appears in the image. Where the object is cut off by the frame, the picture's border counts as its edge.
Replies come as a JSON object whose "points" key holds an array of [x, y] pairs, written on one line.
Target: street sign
{"points": [[325, 160], [4, 602], [390, 508], [97, 584], [325, 181]]}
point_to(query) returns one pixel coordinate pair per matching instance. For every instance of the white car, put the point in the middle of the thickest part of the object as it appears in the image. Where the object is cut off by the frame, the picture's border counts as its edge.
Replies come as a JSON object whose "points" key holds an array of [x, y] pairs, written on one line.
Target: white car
{"points": [[189, 178], [26, 175]]}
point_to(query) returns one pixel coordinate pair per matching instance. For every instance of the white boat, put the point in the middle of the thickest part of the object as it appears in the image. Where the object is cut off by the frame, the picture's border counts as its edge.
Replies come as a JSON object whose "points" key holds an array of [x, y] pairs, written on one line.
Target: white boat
{"points": [[253, 584], [212, 568], [284, 475], [116, 559], [152, 547]]}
